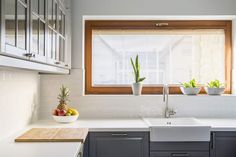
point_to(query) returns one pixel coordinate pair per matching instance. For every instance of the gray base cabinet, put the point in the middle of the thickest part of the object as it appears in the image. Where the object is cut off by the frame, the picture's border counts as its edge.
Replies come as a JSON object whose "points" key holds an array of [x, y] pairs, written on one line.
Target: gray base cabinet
{"points": [[179, 149], [118, 144], [223, 144]]}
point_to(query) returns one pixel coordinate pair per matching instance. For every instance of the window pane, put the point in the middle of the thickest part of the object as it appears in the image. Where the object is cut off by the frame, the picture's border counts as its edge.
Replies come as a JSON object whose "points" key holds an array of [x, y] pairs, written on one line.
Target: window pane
{"points": [[54, 44], [35, 33], [42, 38], [55, 15], [60, 21], [61, 49], [10, 22], [166, 56], [35, 6], [50, 42], [50, 10], [21, 15], [42, 9]]}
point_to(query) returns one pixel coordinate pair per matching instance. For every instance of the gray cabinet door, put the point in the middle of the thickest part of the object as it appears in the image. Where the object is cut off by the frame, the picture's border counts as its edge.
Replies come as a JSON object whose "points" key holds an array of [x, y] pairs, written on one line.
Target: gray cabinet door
{"points": [[116, 144], [223, 144]]}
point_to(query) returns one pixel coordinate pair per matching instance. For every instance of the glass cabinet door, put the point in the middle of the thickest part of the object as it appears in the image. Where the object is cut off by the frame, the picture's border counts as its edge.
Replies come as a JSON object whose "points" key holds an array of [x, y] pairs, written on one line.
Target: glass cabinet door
{"points": [[56, 34], [21, 23], [62, 39], [38, 32], [16, 27]]}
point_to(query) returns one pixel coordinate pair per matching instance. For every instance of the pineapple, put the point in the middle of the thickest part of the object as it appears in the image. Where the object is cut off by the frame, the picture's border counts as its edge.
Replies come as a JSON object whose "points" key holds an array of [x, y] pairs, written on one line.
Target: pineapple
{"points": [[63, 98]]}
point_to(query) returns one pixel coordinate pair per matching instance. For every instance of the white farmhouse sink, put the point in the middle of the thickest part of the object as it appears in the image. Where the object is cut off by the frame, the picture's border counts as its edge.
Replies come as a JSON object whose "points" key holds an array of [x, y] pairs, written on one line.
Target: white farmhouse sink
{"points": [[177, 129]]}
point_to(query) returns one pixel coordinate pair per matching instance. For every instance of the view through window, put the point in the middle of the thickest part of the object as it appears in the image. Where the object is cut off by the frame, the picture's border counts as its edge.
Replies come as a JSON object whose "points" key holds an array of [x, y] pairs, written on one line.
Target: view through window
{"points": [[166, 56]]}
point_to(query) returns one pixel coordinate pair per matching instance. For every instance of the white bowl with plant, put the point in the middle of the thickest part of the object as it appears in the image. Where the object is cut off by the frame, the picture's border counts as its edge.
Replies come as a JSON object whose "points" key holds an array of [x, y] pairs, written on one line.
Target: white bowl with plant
{"points": [[215, 87], [137, 85], [63, 113], [190, 88]]}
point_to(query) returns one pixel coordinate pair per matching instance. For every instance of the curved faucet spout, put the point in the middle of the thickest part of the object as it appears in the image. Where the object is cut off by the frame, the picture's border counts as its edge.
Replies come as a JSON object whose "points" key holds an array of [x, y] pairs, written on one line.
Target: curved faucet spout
{"points": [[168, 111]]}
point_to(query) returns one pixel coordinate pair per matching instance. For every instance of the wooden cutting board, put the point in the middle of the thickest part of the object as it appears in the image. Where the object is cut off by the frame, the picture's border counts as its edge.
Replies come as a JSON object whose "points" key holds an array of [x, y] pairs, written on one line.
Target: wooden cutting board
{"points": [[54, 135]]}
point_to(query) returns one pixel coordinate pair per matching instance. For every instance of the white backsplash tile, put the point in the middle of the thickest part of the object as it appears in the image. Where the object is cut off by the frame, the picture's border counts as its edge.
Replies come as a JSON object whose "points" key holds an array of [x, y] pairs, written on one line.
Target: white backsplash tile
{"points": [[19, 99], [128, 106]]}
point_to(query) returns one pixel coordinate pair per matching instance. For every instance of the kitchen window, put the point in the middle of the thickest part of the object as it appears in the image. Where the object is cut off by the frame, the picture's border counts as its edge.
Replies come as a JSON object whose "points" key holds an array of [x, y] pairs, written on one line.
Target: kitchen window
{"points": [[170, 52]]}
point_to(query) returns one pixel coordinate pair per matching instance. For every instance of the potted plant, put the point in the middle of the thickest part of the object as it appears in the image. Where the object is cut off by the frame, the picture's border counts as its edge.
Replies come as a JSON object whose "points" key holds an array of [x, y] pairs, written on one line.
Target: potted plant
{"points": [[137, 85], [190, 88], [215, 87]]}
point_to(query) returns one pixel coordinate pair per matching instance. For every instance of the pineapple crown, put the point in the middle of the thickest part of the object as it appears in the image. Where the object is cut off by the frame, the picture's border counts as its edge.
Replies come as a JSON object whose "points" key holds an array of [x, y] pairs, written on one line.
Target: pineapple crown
{"points": [[63, 96]]}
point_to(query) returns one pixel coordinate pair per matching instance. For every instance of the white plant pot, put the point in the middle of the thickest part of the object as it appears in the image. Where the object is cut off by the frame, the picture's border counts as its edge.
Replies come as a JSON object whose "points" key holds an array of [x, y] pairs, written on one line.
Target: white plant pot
{"points": [[137, 88], [190, 91], [214, 91]]}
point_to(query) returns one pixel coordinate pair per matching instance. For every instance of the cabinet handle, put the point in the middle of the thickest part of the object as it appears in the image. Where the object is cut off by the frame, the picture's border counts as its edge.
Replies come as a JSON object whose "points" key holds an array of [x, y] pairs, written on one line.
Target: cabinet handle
{"points": [[119, 134], [29, 55], [180, 155], [57, 62], [66, 65], [213, 140], [161, 24]]}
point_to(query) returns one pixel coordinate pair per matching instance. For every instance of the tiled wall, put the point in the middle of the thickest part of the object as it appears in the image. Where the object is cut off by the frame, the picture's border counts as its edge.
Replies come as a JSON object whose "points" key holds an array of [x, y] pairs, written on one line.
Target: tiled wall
{"points": [[128, 106], [19, 97]]}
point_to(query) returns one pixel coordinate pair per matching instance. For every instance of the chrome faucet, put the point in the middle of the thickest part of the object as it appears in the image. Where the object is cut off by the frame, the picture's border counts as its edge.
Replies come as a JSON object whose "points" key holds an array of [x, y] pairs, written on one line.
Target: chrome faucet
{"points": [[168, 111]]}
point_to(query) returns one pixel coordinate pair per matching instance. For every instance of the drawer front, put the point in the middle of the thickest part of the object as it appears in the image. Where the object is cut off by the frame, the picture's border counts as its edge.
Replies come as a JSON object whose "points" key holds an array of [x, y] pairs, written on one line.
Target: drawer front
{"points": [[179, 154], [179, 146], [119, 134]]}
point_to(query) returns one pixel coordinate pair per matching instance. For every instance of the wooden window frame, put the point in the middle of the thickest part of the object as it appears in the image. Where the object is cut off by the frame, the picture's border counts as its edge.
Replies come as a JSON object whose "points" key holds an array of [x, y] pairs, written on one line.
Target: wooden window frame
{"points": [[146, 24]]}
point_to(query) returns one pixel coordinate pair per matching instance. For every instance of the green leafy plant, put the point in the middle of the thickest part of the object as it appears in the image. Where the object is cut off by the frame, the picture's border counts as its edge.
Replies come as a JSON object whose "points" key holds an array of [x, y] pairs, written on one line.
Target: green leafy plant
{"points": [[215, 84], [136, 68], [191, 84]]}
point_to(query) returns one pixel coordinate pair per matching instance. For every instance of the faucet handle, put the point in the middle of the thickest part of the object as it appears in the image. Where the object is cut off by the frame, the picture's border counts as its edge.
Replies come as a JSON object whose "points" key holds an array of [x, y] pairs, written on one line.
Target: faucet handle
{"points": [[172, 111]]}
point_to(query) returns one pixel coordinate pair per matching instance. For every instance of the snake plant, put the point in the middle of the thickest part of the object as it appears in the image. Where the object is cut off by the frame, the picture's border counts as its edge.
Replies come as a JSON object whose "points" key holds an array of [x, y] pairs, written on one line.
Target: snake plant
{"points": [[136, 68]]}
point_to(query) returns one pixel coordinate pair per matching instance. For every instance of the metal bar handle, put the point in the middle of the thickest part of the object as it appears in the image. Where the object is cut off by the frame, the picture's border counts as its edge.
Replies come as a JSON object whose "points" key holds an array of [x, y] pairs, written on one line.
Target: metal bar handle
{"points": [[119, 134], [213, 140], [180, 155]]}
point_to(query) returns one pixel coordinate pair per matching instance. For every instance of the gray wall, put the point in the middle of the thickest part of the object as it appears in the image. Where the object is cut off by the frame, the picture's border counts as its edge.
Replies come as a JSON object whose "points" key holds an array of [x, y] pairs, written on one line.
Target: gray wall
{"points": [[140, 7]]}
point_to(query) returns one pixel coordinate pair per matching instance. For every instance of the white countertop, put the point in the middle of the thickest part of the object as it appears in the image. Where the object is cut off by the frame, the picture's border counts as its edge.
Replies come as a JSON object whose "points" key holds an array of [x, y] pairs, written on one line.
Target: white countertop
{"points": [[69, 149], [132, 124], [9, 148], [100, 124], [220, 124]]}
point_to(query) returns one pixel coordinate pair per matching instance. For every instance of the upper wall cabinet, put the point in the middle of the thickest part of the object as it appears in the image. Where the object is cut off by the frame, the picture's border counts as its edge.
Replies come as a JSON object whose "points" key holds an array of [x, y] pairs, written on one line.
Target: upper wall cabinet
{"points": [[35, 31]]}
